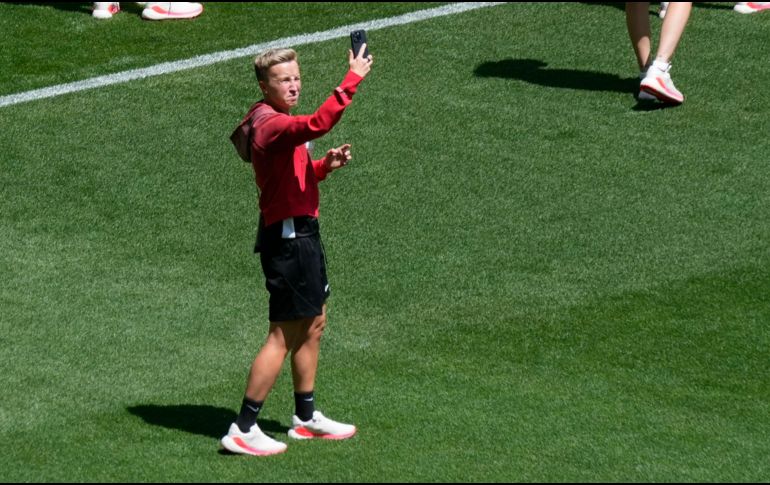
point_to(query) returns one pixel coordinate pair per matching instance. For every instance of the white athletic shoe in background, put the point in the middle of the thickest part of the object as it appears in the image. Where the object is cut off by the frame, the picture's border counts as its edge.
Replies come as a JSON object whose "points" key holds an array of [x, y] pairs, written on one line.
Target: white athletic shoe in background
{"points": [[751, 7], [105, 10], [663, 9], [255, 442], [171, 10], [320, 427], [658, 83]]}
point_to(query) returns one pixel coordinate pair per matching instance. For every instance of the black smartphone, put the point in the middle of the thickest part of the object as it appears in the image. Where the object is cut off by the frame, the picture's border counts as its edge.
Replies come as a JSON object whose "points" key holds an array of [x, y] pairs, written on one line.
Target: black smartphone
{"points": [[357, 38]]}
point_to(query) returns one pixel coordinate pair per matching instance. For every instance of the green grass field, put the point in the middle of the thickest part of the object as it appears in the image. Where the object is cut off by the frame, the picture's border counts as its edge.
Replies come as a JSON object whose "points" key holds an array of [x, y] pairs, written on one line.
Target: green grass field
{"points": [[533, 278]]}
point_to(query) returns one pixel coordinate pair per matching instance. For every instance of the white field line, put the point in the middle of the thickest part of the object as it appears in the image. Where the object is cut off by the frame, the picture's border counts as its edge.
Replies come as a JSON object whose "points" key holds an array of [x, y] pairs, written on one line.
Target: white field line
{"points": [[253, 50]]}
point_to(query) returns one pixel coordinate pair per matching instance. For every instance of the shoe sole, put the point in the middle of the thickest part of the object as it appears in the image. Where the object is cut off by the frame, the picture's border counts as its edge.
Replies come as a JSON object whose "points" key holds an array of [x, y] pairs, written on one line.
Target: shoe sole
{"points": [[306, 434], [157, 13], [237, 445], [661, 95]]}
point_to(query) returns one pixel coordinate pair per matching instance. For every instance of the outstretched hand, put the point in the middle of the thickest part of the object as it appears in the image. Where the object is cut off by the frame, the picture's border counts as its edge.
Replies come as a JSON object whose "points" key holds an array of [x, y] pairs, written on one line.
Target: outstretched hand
{"points": [[337, 157]]}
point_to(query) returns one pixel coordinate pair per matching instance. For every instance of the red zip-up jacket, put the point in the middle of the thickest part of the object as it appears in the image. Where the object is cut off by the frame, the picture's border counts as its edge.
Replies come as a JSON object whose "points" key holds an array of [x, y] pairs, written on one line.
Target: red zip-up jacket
{"points": [[286, 176]]}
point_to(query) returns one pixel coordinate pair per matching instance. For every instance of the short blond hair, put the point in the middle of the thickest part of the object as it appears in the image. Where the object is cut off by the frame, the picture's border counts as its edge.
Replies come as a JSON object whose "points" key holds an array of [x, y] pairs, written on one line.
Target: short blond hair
{"points": [[269, 58]]}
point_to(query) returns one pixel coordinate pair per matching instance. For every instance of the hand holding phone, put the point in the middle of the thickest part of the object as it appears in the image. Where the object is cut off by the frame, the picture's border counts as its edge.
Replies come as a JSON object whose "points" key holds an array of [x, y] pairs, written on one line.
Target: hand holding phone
{"points": [[360, 63]]}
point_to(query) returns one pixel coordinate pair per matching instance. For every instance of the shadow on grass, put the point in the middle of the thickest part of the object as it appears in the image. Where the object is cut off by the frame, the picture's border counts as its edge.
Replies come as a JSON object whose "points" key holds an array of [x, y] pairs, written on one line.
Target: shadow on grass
{"points": [[197, 419], [536, 72], [65, 6], [85, 8], [654, 10], [643, 106]]}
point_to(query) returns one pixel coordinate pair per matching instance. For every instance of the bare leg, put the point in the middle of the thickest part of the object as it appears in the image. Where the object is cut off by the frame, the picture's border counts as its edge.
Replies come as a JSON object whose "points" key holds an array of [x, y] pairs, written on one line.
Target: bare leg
{"points": [[638, 24], [673, 26], [281, 339], [304, 357]]}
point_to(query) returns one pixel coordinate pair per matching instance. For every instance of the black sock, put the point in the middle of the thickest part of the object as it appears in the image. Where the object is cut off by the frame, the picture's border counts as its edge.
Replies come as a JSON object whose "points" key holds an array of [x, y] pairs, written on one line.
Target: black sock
{"points": [[304, 403], [248, 415]]}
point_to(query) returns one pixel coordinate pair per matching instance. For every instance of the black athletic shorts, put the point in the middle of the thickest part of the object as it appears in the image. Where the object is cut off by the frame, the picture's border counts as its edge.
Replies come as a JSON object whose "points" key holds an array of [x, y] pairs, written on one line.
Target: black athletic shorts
{"points": [[294, 268]]}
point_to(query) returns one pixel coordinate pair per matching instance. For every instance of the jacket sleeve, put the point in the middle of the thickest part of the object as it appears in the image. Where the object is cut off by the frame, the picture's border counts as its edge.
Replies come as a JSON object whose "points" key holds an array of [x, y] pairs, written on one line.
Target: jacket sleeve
{"points": [[286, 130], [320, 170]]}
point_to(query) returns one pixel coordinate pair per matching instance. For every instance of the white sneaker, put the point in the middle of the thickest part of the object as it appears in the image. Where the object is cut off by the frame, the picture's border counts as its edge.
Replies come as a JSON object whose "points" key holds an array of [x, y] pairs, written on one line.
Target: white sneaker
{"points": [[171, 10], [751, 7], [658, 83], [663, 9], [320, 427], [105, 10], [255, 442], [644, 95]]}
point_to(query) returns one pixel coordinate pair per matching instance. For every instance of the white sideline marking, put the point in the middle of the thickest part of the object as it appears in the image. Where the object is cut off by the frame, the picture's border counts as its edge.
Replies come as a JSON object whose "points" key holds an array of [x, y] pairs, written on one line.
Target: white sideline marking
{"points": [[253, 50]]}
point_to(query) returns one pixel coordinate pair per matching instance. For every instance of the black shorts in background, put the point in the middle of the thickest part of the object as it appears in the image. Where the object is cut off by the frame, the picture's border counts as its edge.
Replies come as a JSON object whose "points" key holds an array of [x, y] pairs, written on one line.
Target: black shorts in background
{"points": [[295, 271]]}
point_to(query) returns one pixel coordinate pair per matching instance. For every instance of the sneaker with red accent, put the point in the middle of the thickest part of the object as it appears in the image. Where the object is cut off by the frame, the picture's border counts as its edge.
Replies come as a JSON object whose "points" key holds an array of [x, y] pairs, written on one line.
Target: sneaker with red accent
{"points": [[643, 96], [751, 7], [255, 442], [171, 10], [658, 83], [105, 10], [320, 427]]}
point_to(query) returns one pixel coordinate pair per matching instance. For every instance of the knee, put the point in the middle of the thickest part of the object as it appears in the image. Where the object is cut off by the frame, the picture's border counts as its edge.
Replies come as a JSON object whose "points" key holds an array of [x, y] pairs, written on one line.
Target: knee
{"points": [[276, 344], [317, 327]]}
